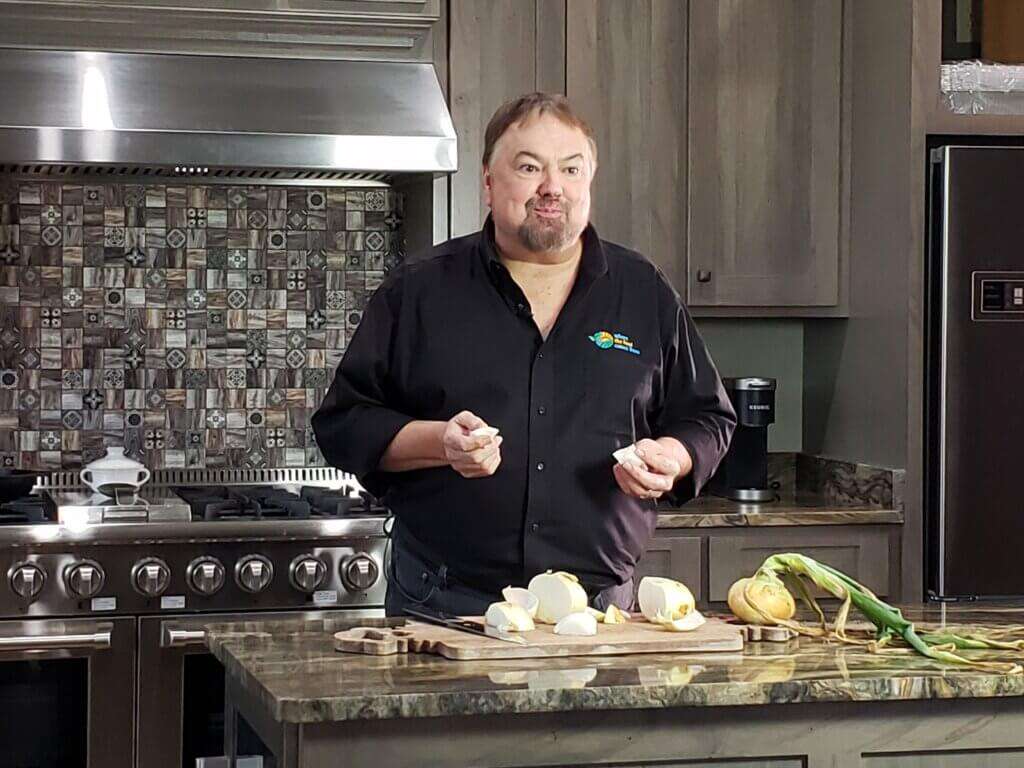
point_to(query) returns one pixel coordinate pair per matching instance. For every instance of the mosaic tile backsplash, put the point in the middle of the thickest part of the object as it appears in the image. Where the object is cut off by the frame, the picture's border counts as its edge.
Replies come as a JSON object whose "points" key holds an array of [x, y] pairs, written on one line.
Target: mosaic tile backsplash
{"points": [[198, 326]]}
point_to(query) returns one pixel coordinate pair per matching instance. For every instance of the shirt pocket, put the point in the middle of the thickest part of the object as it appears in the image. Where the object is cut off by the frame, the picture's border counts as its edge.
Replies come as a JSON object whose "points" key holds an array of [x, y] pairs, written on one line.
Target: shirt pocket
{"points": [[617, 391]]}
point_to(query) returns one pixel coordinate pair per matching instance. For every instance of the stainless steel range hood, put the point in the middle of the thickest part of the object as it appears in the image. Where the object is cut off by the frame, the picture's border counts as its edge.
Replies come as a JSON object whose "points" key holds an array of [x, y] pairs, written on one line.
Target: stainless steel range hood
{"points": [[204, 115]]}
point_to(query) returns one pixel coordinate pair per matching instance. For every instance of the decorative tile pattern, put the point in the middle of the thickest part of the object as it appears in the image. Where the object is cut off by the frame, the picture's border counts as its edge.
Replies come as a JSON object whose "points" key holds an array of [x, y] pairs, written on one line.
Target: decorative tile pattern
{"points": [[198, 326]]}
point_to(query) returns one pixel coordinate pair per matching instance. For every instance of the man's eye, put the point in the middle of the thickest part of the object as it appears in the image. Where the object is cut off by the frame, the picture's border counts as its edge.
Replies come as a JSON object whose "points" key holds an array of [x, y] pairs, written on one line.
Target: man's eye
{"points": [[528, 167], [573, 170]]}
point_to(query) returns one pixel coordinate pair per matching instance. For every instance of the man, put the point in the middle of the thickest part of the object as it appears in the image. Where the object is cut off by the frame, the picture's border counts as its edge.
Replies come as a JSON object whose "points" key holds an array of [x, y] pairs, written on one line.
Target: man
{"points": [[571, 346]]}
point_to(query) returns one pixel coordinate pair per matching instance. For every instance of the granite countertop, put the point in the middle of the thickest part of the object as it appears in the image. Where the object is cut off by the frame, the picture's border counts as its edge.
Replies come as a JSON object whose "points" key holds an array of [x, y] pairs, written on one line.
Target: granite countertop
{"points": [[795, 508], [292, 667]]}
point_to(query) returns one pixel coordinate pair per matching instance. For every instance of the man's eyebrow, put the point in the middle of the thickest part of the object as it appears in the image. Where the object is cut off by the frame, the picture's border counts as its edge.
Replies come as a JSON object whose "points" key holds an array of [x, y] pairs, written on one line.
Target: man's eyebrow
{"points": [[577, 156]]}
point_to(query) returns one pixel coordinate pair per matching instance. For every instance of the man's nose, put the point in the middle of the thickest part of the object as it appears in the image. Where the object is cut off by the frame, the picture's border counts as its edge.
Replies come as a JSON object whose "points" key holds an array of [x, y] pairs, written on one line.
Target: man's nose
{"points": [[550, 185]]}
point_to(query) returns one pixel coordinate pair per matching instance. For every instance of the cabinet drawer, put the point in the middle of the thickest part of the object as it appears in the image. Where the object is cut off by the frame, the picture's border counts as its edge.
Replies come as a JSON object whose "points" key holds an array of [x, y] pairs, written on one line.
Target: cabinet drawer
{"points": [[863, 554], [676, 557]]}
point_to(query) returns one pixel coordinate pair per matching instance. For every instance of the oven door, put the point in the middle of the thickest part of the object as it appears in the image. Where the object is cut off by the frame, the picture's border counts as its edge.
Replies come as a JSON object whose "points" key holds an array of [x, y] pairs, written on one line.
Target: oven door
{"points": [[181, 688], [67, 691]]}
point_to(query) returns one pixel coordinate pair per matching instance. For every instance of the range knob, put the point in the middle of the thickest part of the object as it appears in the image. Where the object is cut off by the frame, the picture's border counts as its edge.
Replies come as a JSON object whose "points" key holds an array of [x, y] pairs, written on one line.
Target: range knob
{"points": [[26, 580], [84, 578], [150, 576], [359, 572], [205, 575], [253, 573], [307, 573]]}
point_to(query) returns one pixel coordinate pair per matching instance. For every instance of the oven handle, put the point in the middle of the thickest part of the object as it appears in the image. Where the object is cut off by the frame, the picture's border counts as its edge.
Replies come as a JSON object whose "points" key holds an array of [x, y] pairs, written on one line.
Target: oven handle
{"points": [[176, 638], [98, 640]]}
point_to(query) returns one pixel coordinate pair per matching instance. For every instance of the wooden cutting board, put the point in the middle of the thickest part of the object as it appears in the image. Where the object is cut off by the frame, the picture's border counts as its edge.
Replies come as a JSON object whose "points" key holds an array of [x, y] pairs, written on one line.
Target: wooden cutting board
{"points": [[636, 636]]}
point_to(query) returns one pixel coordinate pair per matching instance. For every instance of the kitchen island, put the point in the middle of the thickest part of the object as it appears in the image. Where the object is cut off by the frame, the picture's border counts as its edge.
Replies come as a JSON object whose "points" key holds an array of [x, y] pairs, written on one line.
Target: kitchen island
{"points": [[773, 705]]}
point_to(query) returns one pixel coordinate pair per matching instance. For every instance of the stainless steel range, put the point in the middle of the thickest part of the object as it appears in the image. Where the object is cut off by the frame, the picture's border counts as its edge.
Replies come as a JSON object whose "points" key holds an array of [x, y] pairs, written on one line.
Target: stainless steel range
{"points": [[122, 589]]}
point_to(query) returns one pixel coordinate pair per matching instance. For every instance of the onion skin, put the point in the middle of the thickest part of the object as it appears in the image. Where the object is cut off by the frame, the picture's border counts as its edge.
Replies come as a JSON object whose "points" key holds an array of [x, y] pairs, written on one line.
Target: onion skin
{"points": [[748, 595]]}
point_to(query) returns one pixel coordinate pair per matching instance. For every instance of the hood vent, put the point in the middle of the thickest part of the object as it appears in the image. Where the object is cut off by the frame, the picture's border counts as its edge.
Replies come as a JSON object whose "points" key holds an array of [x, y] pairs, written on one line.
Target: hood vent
{"points": [[142, 173], [134, 114]]}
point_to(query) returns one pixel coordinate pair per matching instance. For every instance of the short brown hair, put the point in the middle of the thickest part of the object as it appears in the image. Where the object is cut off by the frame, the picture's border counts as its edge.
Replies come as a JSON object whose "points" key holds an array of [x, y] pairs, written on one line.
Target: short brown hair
{"points": [[518, 109]]}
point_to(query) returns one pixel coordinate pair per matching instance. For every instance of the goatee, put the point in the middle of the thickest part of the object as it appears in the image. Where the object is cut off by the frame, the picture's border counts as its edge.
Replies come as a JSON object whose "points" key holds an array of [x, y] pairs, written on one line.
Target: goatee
{"points": [[541, 235]]}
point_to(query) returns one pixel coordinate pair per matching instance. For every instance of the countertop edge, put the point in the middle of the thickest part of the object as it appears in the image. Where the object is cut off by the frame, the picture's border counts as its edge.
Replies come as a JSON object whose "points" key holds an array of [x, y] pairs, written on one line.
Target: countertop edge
{"points": [[469, 704], [766, 519]]}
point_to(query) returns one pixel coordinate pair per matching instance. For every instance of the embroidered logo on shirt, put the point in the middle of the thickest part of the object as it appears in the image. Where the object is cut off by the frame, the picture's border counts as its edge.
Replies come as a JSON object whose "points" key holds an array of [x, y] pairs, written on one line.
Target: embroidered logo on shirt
{"points": [[609, 340]]}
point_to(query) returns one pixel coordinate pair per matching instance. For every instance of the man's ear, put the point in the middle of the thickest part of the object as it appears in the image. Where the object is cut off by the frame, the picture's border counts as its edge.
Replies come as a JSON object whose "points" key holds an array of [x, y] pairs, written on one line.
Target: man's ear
{"points": [[486, 178]]}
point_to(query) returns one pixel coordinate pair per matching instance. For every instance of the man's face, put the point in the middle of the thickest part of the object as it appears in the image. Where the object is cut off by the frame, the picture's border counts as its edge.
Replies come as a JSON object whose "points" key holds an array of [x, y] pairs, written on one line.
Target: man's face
{"points": [[538, 183]]}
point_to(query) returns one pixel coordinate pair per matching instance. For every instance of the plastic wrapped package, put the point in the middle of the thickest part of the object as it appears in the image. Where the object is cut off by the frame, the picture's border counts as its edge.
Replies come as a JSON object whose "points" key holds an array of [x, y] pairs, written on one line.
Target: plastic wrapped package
{"points": [[980, 88]]}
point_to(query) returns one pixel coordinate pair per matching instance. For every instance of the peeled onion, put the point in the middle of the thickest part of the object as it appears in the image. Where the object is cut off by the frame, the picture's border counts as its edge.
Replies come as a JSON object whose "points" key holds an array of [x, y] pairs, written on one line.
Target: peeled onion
{"points": [[770, 596], [666, 598], [521, 597], [614, 616], [580, 623], [688, 623], [508, 617], [558, 594]]}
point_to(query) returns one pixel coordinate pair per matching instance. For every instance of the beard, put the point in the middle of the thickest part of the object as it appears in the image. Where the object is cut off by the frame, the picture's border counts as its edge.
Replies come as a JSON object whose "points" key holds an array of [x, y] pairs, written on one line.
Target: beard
{"points": [[538, 235]]}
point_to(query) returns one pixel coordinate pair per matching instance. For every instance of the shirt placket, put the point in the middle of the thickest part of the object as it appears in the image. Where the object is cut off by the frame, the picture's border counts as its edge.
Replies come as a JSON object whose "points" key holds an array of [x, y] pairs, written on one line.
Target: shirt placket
{"points": [[540, 461]]}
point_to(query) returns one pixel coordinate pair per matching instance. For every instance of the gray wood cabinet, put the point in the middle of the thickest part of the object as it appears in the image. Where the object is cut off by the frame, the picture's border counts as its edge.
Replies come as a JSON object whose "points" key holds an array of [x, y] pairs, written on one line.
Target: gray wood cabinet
{"points": [[626, 72], [764, 107], [709, 560], [676, 557], [498, 49], [862, 553]]}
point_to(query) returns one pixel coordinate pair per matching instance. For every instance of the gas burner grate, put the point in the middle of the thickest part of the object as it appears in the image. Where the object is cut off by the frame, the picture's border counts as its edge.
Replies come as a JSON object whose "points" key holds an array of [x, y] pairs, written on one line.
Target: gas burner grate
{"points": [[27, 511], [269, 503], [330, 503]]}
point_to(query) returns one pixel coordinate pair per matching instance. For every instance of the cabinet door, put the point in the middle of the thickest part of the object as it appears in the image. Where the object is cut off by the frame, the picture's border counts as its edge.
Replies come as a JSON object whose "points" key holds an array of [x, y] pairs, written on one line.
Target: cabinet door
{"points": [[765, 91], [498, 49], [865, 555], [674, 557], [626, 74]]}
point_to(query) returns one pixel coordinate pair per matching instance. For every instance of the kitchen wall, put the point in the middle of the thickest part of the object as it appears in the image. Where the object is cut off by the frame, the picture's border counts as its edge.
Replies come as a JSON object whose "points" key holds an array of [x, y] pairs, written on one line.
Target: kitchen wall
{"points": [[198, 325], [773, 348]]}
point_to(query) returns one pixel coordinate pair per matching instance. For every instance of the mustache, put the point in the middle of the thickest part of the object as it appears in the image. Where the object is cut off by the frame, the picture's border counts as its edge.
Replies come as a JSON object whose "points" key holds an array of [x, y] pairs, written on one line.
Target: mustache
{"points": [[548, 202]]}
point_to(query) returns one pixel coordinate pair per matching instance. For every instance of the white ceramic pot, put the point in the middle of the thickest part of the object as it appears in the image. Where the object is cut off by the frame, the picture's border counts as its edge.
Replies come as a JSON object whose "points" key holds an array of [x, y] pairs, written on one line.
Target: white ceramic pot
{"points": [[114, 469]]}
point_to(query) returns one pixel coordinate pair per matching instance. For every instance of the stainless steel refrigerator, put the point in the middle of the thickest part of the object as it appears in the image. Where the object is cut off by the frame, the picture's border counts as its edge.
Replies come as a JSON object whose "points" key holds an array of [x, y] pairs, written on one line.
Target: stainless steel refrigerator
{"points": [[974, 404]]}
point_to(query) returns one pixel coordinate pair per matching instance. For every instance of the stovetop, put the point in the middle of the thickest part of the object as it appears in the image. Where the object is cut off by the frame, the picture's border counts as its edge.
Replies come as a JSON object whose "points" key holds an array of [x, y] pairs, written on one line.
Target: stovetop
{"points": [[215, 549], [192, 504]]}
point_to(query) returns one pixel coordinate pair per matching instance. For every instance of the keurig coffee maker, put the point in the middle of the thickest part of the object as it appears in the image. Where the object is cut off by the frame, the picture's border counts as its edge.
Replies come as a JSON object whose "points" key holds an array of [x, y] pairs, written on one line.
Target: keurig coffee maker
{"points": [[743, 473]]}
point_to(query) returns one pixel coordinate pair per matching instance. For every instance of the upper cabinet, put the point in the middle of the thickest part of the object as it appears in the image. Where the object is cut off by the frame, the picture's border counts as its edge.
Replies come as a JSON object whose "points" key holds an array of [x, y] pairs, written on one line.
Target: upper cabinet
{"points": [[626, 72], [764, 131], [498, 49]]}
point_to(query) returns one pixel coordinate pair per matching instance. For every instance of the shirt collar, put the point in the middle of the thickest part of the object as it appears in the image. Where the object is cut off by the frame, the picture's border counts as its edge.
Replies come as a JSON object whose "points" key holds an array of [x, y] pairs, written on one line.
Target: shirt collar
{"points": [[593, 262]]}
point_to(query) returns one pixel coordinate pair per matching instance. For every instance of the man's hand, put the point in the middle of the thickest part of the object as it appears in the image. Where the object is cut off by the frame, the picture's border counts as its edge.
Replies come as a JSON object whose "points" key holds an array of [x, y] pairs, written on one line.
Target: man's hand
{"points": [[666, 461], [468, 455]]}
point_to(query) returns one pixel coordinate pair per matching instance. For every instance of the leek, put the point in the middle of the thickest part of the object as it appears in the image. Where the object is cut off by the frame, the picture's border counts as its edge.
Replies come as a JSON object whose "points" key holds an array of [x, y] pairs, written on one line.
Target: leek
{"points": [[791, 571]]}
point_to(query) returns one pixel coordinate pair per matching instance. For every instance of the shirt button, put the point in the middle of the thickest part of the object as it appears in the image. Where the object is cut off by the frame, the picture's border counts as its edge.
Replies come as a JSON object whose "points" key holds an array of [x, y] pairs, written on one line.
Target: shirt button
{"points": [[534, 527], [542, 410], [540, 355], [540, 466], [520, 306]]}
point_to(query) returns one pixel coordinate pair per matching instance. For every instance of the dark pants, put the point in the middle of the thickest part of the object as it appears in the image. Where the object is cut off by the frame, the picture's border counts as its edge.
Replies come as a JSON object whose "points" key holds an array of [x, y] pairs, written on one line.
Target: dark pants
{"points": [[413, 582]]}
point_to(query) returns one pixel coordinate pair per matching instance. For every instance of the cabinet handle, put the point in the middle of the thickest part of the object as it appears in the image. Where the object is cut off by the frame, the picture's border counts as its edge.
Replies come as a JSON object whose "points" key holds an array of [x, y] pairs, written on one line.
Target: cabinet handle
{"points": [[703, 275]]}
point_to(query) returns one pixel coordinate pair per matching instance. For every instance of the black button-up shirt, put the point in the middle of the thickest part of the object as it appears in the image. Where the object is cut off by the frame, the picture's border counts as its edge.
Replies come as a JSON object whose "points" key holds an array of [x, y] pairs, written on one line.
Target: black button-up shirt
{"points": [[452, 331]]}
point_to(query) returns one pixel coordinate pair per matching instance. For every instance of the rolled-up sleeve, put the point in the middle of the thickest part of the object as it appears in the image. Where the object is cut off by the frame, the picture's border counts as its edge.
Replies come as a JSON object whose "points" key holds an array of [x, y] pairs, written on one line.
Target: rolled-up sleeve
{"points": [[354, 424], [694, 407]]}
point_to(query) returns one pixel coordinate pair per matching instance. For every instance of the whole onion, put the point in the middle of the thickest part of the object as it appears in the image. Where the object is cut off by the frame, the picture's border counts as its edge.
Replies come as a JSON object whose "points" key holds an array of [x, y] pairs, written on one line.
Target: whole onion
{"points": [[769, 595]]}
